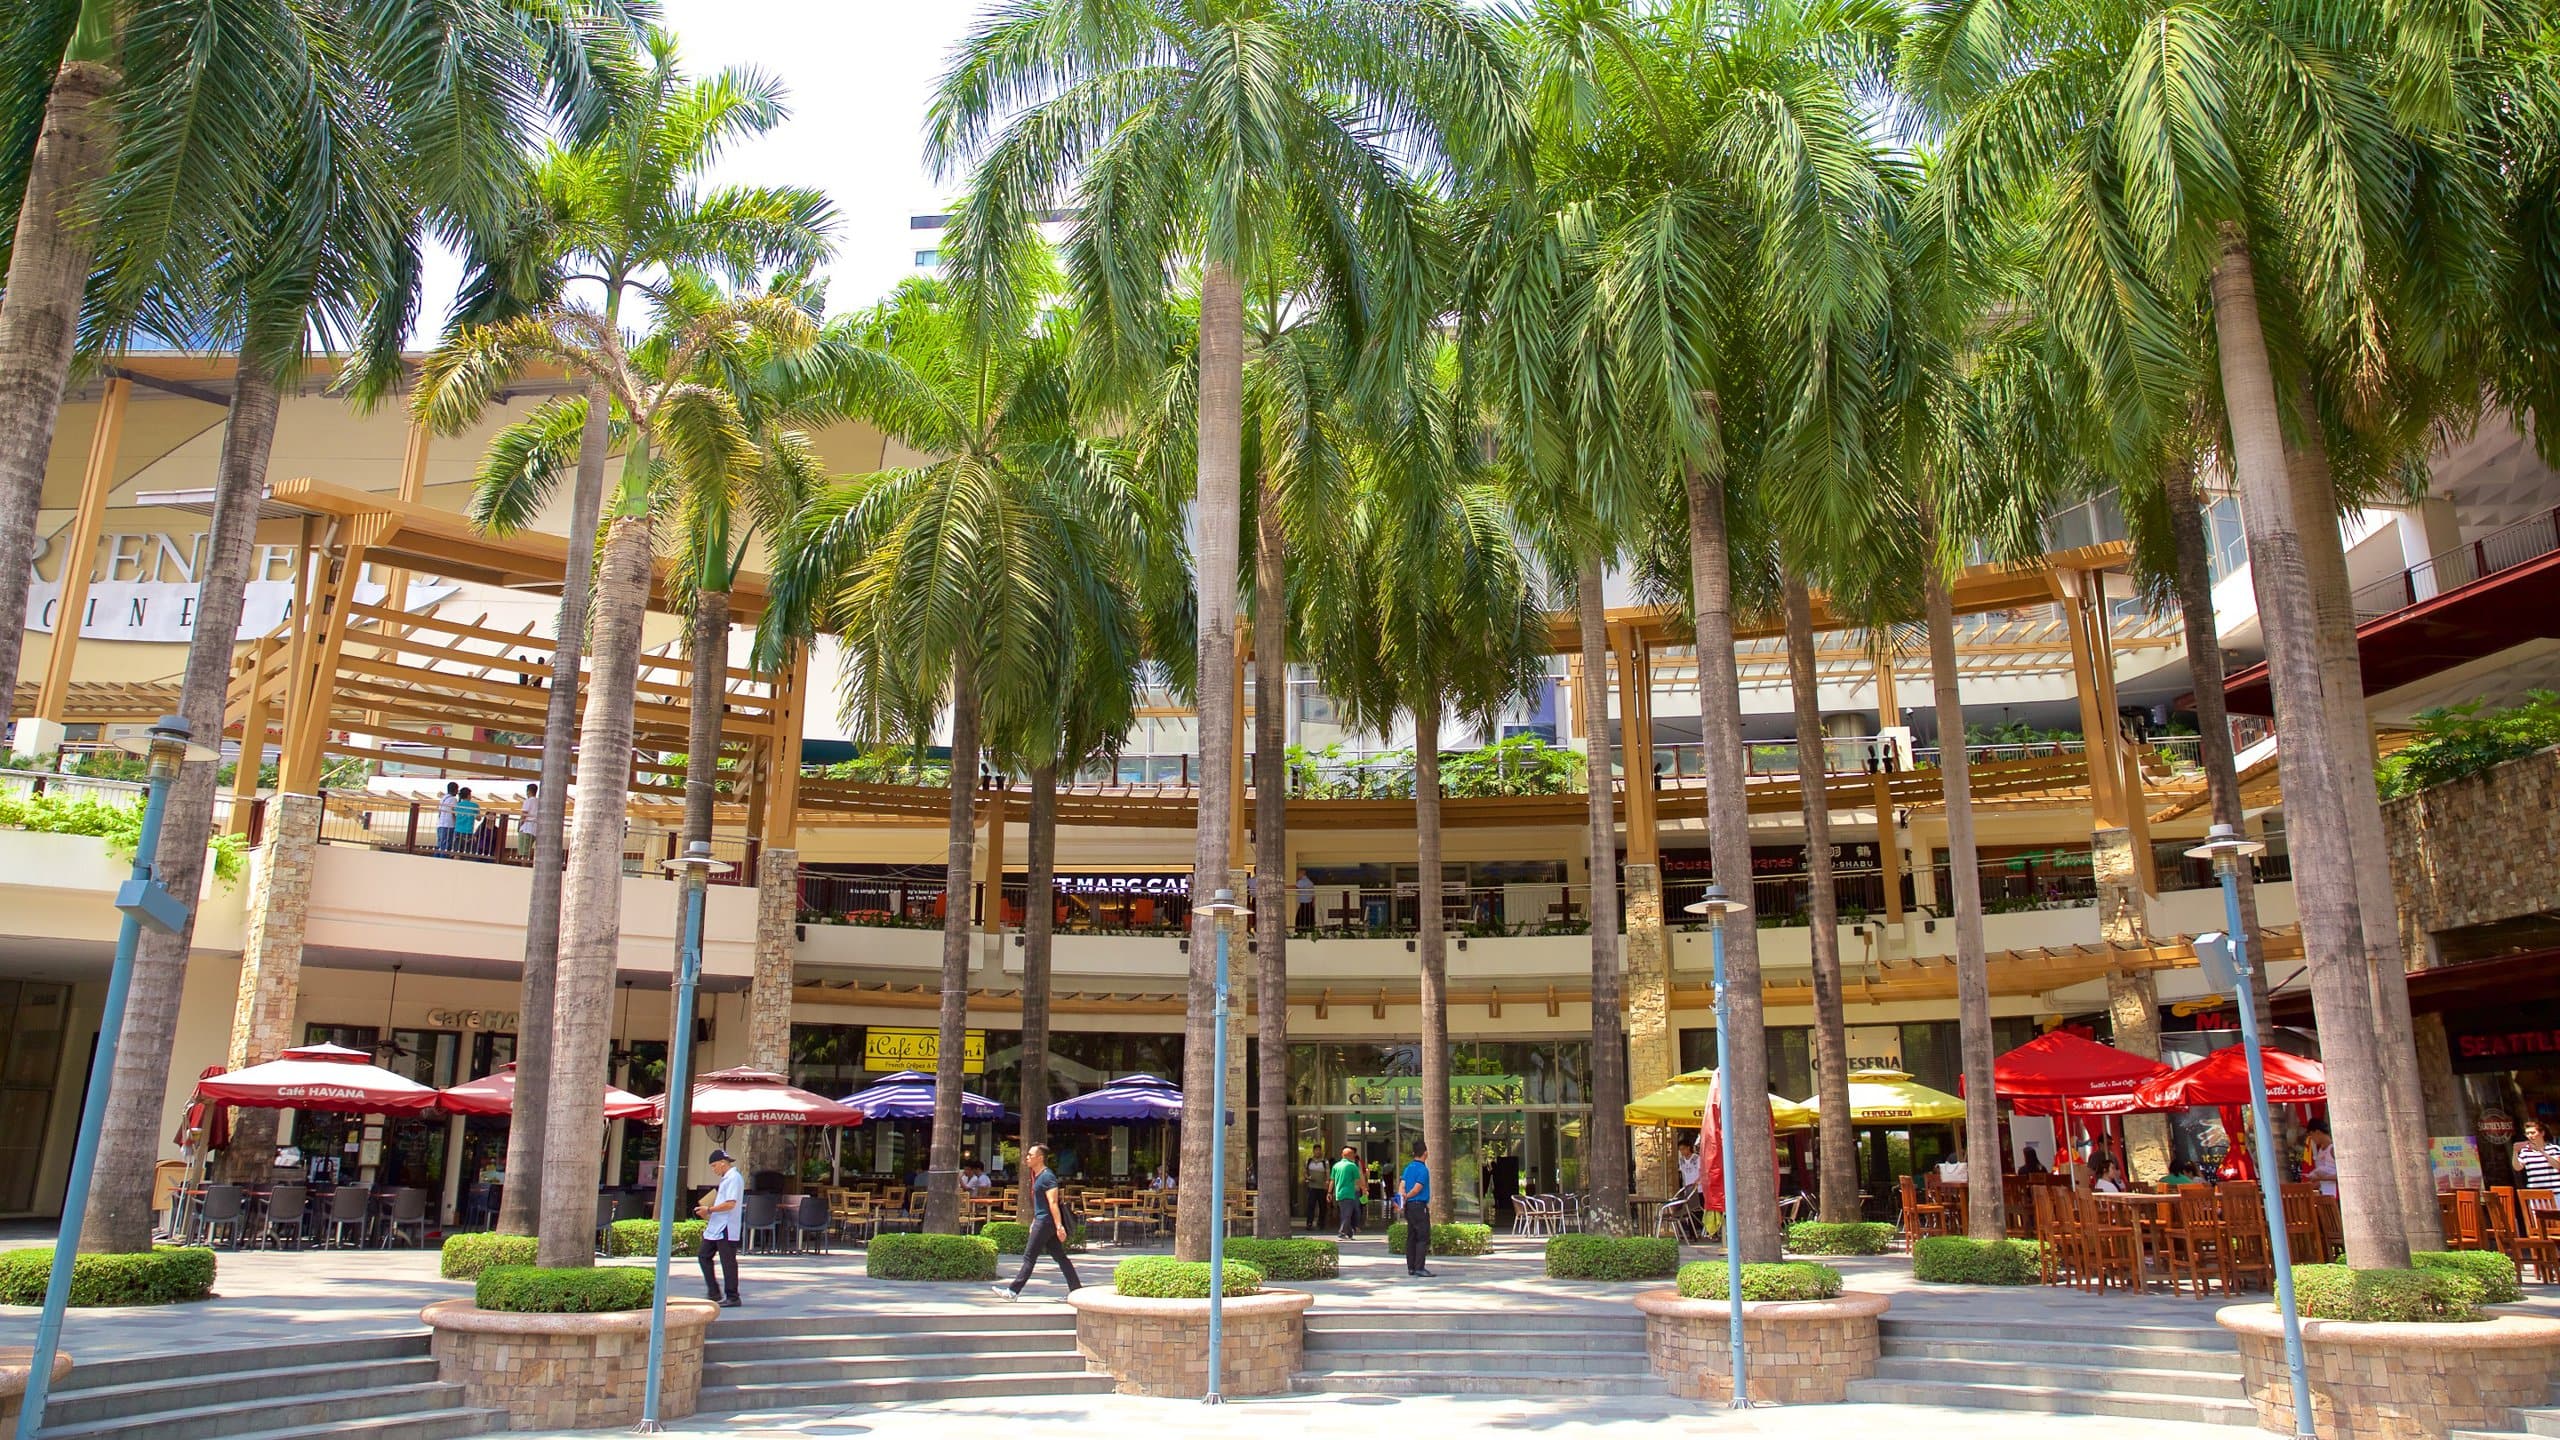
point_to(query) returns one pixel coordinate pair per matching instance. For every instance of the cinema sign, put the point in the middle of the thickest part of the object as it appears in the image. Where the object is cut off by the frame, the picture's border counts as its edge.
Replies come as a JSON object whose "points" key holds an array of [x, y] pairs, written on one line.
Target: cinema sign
{"points": [[143, 587]]}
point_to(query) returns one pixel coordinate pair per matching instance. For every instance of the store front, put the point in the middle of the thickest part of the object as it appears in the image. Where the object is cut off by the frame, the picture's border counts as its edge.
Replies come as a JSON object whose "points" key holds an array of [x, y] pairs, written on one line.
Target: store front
{"points": [[1519, 1117]]}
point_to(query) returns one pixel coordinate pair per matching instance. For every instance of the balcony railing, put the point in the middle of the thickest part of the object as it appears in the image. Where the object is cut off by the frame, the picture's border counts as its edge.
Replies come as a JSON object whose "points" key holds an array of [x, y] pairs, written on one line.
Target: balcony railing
{"points": [[2527, 539], [75, 788], [408, 827]]}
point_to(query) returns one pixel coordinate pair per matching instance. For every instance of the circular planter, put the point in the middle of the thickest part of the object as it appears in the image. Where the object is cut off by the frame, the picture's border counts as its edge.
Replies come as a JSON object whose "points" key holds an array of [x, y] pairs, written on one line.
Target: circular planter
{"points": [[17, 1362], [1161, 1347], [568, 1372], [2396, 1381], [1798, 1352]]}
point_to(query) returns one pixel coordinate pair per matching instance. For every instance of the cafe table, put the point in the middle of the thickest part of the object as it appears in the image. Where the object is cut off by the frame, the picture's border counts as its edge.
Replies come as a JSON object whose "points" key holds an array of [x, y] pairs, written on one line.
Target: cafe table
{"points": [[2148, 1213]]}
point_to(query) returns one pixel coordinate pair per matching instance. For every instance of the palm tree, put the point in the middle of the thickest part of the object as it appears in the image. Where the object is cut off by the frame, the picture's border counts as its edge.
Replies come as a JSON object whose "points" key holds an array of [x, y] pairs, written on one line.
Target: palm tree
{"points": [[1210, 134], [1837, 1139]]}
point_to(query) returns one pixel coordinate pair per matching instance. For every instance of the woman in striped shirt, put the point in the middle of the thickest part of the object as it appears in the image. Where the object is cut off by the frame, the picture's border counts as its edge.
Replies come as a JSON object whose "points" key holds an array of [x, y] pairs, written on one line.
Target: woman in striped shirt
{"points": [[2537, 1159]]}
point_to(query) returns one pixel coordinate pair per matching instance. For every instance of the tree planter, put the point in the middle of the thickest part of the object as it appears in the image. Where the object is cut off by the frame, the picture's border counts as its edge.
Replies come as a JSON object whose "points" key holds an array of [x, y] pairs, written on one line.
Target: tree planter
{"points": [[568, 1372], [1161, 1347], [1800, 1352], [2397, 1381], [17, 1362]]}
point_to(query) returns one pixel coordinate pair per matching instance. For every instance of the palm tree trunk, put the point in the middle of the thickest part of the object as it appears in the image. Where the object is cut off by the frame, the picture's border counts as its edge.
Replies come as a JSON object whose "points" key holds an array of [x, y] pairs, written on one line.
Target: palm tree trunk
{"points": [[1432, 944], [1275, 1144], [1836, 1138], [119, 1214], [1745, 1052], [40, 317], [764, 1147], [518, 1203], [2315, 814], [1605, 1161], [1986, 1211], [1217, 514], [1039, 926], [942, 1165], [591, 902]]}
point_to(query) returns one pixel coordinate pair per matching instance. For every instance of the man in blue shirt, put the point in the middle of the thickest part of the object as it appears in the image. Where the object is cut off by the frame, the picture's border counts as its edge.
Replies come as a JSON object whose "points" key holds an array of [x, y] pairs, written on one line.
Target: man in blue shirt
{"points": [[1415, 1190]]}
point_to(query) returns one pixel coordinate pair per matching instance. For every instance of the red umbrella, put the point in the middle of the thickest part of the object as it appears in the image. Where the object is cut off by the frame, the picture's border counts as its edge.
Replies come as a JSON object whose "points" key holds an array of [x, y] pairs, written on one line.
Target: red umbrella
{"points": [[202, 1114], [2222, 1078], [320, 1077], [2057, 1073], [746, 1096], [495, 1094]]}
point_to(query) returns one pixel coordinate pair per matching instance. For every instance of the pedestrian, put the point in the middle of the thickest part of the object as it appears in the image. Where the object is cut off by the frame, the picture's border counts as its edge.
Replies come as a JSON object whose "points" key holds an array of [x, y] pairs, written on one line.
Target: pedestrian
{"points": [[2323, 1169], [1306, 903], [1048, 1226], [444, 816], [1415, 1193], [466, 819], [529, 823], [724, 1213], [2536, 1159], [1688, 1164], [1347, 1187], [1319, 1188]]}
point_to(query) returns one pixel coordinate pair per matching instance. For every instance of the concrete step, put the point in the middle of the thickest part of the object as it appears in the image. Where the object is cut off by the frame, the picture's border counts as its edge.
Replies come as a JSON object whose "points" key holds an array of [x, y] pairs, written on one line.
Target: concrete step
{"points": [[867, 1367], [328, 1411], [1459, 1360], [144, 1397], [933, 1342], [2176, 1337], [869, 1323], [2027, 1374], [731, 1399], [1331, 1381], [1389, 1340], [2065, 1353], [425, 1425], [1504, 1322], [181, 1365], [2054, 1400]]}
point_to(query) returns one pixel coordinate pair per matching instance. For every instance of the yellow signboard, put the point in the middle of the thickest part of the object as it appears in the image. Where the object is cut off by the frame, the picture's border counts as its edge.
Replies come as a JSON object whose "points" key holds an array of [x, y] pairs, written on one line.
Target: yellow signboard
{"points": [[884, 1048]]}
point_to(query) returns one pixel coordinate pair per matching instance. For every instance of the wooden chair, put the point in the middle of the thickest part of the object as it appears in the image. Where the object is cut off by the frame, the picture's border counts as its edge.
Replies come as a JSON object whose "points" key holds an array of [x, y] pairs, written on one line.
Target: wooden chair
{"points": [[2460, 1212], [2538, 1233], [1921, 1218], [2302, 1232], [2059, 1228], [2111, 1250], [2191, 1242], [2498, 1221], [2247, 1250]]}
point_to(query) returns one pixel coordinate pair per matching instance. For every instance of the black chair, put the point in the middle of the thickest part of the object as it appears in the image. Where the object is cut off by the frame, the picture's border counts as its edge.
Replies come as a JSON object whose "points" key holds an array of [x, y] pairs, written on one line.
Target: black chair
{"points": [[608, 1205], [285, 1206], [350, 1208], [632, 1205], [225, 1205], [810, 1219], [408, 1215], [764, 1216]]}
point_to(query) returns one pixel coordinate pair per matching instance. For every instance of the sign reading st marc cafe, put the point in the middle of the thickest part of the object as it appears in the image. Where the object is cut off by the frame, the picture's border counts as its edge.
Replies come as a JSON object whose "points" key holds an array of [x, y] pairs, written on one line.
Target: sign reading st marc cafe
{"points": [[143, 587]]}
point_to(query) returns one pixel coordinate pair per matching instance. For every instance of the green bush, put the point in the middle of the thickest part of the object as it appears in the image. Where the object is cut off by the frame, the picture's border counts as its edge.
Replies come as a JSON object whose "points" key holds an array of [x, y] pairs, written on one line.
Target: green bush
{"points": [[2334, 1292], [465, 1256], [1611, 1257], [2467, 739], [1288, 1259], [1784, 1280], [1161, 1277], [930, 1257], [1446, 1239], [574, 1290], [154, 1277], [1955, 1260], [630, 1238], [2494, 1273], [1857, 1237], [119, 825]]}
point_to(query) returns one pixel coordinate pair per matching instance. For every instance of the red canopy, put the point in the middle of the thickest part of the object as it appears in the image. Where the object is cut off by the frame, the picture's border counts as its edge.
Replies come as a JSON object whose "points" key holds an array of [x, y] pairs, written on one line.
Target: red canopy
{"points": [[2222, 1078], [758, 1097], [2057, 1071], [320, 1077], [212, 1119], [495, 1094]]}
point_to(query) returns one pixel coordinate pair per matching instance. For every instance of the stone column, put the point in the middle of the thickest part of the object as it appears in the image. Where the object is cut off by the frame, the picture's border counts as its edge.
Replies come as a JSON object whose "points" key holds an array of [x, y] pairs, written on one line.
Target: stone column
{"points": [[769, 994], [2133, 1000], [1651, 1055], [262, 1023]]}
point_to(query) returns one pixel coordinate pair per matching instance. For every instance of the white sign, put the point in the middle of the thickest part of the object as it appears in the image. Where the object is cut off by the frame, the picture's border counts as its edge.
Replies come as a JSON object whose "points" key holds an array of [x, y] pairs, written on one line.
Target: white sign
{"points": [[164, 611], [1874, 1047]]}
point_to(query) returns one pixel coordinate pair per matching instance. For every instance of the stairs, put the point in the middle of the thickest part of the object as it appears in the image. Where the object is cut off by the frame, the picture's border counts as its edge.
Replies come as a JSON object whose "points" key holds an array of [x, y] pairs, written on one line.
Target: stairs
{"points": [[2138, 1372], [1443, 1352], [2529, 1425], [881, 1359], [382, 1389]]}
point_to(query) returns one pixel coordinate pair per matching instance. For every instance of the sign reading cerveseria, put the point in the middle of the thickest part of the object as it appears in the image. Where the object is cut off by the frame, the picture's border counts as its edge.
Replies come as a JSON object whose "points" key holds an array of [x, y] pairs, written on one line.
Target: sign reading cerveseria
{"points": [[885, 1048], [1404, 1092]]}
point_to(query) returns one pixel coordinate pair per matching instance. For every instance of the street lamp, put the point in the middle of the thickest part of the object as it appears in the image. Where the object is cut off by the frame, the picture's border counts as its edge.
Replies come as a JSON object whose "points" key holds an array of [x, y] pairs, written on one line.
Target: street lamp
{"points": [[2225, 959], [693, 870], [144, 901], [1716, 905], [1223, 913]]}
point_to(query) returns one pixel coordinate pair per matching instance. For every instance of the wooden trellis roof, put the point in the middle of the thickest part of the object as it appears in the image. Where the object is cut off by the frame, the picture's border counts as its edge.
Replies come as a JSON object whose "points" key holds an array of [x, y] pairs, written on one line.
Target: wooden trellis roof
{"points": [[101, 702]]}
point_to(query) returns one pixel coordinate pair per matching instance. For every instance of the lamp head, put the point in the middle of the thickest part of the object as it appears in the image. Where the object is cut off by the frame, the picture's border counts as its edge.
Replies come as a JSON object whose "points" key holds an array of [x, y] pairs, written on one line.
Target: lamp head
{"points": [[2225, 846], [1715, 905], [696, 859], [1223, 908], [170, 733]]}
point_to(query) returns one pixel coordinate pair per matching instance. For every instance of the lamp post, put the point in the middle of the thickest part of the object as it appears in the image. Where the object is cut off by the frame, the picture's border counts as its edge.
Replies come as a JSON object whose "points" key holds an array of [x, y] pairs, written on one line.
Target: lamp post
{"points": [[1716, 905], [1222, 911], [694, 871], [2225, 959], [144, 901]]}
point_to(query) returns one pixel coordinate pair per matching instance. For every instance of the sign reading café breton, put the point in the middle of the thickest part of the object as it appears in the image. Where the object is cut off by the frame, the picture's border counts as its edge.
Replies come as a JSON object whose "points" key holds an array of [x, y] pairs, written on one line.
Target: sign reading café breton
{"points": [[142, 587], [1404, 1092], [888, 1048]]}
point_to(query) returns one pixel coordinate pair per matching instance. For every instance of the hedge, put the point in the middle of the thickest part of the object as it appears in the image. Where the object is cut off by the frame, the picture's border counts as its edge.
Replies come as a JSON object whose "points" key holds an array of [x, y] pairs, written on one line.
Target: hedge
{"points": [[2494, 1273], [2436, 1296], [154, 1277], [570, 1290], [1446, 1239], [1955, 1260], [1288, 1259], [639, 1238], [1782, 1280], [1612, 1257], [930, 1257], [1161, 1277], [1856, 1237], [465, 1256], [1011, 1235]]}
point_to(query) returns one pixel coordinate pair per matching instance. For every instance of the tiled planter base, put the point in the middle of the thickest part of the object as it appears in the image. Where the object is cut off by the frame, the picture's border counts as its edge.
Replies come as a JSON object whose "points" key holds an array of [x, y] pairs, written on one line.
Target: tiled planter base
{"points": [[2397, 1382], [17, 1362], [568, 1372], [1161, 1347], [1798, 1352]]}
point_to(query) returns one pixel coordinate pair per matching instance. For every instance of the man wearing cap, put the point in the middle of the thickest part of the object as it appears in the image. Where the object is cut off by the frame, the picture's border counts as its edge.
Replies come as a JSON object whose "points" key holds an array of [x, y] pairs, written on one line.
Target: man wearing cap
{"points": [[723, 1213]]}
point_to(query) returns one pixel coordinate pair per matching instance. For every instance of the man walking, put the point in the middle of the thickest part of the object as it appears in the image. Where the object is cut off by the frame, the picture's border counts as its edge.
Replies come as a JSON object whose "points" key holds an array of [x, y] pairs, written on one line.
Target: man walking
{"points": [[1415, 1191], [1048, 1226], [1346, 1193], [1319, 1188], [724, 1213]]}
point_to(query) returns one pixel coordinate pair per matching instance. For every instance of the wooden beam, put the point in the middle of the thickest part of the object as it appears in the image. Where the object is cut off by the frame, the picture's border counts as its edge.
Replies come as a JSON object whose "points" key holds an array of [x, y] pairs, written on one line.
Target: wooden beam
{"points": [[1635, 743], [305, 730], [97, 481]]}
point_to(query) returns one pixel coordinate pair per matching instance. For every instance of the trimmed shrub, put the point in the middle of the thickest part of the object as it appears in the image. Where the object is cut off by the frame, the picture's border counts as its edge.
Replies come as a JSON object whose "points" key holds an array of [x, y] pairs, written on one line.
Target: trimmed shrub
{"points": [[578, 1290], [930, 1257], [1955, 1260], [1612, 1257], [2434, 1296], [162, 1276], [1446, 1239], [1161, 1277], [2494, 1273], [630, 1238], [465, 1256], [1297, 1259], [1783, 1280], [1857, 1237]]}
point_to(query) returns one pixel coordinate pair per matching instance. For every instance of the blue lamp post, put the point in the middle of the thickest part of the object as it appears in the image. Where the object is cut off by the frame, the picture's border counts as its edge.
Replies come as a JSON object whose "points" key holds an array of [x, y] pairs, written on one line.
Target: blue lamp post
{"points": [[1716, 905], [694, 870], [1223, 912], [145, 902]]}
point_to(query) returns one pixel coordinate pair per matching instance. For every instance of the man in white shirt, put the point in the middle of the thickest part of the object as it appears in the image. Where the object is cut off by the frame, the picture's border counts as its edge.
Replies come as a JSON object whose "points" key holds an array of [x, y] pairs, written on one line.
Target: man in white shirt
{"points": [[1689, 1164], [444, 816], [724, 1213]]}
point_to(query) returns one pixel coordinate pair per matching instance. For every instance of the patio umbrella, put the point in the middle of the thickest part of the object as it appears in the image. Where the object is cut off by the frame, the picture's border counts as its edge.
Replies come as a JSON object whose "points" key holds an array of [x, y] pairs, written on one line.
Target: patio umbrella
{"points": [[495, 1094], [747, 1096], [1131, 1099], [908, 1095], [1684, 1100], [320, 1077], [2059, 1073], [2222, 1078], [1888, 1097], [204, 1115]]}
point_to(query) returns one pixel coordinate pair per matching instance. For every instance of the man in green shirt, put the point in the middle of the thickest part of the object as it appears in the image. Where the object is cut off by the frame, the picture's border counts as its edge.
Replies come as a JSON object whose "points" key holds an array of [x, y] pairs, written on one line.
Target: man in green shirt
{"points": [[1348, 1183]]}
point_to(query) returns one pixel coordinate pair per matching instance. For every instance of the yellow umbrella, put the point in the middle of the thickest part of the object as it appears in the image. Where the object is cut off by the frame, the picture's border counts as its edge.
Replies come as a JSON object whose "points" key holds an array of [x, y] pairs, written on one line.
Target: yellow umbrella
{"points": [[1683, 1103], [1885, 1097]]}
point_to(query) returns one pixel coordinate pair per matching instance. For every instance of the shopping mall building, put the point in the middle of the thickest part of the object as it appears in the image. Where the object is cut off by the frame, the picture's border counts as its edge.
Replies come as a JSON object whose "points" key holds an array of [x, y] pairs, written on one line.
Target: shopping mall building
{"points": [[389, 648]]}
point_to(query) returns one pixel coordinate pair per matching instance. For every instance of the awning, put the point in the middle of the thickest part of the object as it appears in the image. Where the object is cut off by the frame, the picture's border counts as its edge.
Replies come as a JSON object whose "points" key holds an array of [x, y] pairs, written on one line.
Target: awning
{"points": [[1891, 1097], [2058, 1072], [495, 1094], [320, 1077], [758, 1097], [908, 1095], [1683, 1102]]}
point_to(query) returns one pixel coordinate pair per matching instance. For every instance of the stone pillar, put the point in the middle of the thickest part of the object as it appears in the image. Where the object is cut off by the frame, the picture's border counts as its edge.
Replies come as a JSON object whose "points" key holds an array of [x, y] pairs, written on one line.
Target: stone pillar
{"points": [[2133, 1009], [769, 994], [1651, 1047], [262, 1022]]}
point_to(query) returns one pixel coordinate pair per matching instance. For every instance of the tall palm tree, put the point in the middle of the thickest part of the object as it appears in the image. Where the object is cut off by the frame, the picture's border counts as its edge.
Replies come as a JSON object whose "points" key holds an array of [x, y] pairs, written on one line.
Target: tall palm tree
{"points": [[1837, 1187], [1207, 136]]}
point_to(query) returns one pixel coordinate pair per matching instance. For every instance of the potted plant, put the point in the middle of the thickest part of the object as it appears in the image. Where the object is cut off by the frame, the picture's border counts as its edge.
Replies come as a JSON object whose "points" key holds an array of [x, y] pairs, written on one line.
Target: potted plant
{"points": [[1805, 1337]]}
